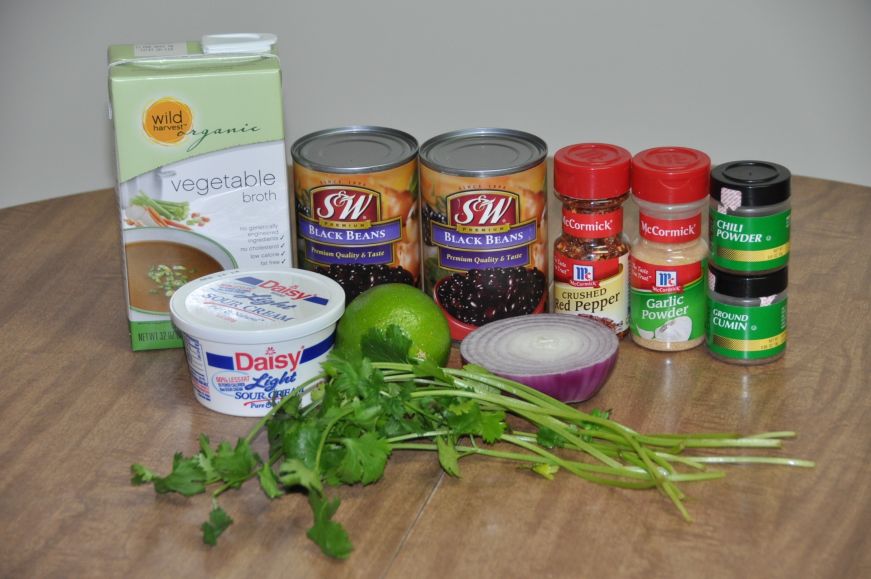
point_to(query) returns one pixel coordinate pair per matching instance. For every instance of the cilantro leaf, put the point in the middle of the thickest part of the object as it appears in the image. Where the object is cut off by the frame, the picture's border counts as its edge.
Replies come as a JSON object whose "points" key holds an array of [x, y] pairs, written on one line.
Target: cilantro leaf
{"points": [[449, 458], [464, 417], [350, 380], [549, 438], [293, 472], [301, 441], [492, 426], [186, 478], [591, 426], [268, 482], [328, 534], [390, 344], [205, 457], [141, 475], [546, 470], [364, 459], [235, 465], [218, 522]]}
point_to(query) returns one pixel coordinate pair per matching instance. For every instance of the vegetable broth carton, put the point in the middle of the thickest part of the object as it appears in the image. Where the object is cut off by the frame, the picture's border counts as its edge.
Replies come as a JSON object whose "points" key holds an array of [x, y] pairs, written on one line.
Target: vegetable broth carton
{"points": [[202, 173]]}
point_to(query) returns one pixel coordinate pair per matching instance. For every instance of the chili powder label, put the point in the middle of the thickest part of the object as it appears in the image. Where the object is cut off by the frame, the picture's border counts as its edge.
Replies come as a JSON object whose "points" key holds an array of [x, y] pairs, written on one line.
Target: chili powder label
{"points": [[597, 288], [749, 243], [747, 333], [668, 301]]}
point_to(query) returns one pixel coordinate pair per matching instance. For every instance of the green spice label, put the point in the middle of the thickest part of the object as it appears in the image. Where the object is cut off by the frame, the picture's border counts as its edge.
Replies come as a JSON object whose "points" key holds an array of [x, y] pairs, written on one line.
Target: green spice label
{"points": [[667, 302], [749, 243], [747, 333]]}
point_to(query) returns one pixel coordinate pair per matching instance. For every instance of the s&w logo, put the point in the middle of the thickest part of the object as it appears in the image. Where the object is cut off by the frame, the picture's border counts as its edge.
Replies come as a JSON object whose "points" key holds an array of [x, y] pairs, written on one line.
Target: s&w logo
{"points": [[346, 204], [478, 211]]}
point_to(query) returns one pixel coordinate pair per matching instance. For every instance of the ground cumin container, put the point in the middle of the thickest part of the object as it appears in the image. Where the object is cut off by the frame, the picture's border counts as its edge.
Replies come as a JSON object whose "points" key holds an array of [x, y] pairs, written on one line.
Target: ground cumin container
{"points": [[746, 315], [484, 225], [357, 206]]}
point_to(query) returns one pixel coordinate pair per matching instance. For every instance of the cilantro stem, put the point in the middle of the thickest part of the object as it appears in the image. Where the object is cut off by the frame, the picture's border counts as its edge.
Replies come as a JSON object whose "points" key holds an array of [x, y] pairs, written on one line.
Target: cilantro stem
{"points": [[523, 409]]}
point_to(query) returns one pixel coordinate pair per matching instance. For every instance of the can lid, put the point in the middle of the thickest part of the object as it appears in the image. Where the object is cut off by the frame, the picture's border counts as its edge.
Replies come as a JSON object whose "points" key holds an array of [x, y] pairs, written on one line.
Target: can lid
{"points": [[759, 182], [670, 175], [591, 171], [748, 285], [239, 306], [355, 149], [483, 152]]}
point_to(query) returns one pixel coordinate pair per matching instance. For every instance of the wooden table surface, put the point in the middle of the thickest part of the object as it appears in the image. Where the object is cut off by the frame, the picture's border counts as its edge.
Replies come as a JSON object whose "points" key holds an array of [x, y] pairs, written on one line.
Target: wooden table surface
{"points": [[77, 407]]}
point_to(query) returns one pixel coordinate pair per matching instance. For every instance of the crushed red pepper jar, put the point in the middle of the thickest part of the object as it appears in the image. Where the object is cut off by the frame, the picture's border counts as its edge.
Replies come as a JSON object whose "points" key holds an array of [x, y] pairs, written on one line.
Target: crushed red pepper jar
{"points": [[591, 258]]}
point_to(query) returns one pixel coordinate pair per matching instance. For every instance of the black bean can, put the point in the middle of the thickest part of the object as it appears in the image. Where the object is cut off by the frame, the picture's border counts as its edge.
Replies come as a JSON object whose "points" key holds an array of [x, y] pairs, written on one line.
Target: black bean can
{"points": [[484, 200], [357, 206]]}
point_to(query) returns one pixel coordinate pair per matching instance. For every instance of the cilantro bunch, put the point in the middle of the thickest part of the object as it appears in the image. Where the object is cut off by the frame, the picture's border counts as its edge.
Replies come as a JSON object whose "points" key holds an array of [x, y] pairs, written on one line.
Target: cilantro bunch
{"points": [[366, 407]]}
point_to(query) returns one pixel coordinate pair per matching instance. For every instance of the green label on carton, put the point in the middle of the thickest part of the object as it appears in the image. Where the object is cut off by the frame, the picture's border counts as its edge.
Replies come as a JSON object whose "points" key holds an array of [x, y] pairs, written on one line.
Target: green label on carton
{"points": [[154, 336]]}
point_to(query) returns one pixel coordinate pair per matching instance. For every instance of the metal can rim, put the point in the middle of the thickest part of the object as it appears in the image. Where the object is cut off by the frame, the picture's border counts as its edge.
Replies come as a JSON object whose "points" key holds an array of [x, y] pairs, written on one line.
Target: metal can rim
{"points": [[430, 144], [299, 159]]}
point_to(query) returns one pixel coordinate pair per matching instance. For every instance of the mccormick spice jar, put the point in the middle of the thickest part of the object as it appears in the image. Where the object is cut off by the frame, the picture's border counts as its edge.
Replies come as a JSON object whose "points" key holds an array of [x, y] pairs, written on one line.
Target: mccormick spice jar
{"points": [[484, 225], [591, 258], [746, 315], [357, 206], [668, 260], [749, 216]]}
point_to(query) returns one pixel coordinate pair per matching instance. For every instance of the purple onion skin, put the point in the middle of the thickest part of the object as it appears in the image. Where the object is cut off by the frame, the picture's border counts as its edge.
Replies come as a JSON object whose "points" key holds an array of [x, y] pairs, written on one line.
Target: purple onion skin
{"points": [[573, 386]]}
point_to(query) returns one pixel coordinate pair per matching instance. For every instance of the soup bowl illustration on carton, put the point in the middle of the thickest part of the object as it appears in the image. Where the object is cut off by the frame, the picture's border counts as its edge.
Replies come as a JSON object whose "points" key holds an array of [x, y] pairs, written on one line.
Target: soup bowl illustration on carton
{"points": [[160, 260]]}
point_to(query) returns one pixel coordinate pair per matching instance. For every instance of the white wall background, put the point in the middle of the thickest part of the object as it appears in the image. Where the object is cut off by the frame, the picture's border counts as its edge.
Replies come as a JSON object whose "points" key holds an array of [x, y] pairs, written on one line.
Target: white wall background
{"points": [[781, 80]]}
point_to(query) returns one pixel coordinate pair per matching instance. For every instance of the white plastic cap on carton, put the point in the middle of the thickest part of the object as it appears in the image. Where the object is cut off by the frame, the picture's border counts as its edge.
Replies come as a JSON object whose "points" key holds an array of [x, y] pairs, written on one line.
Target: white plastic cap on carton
{"points": [[236, 43]]}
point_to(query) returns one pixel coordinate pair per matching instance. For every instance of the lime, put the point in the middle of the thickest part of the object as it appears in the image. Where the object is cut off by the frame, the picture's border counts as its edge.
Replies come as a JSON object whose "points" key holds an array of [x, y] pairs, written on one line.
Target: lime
{"points": [[404, 306]]}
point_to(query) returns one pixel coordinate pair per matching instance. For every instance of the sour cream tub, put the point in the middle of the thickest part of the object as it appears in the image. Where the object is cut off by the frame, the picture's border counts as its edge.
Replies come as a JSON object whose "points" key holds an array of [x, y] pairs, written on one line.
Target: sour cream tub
{"points": [[253, 336]]}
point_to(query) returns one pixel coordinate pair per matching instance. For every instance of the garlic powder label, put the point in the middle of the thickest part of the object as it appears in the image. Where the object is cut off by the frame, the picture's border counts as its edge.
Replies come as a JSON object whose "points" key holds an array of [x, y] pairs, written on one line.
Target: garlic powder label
{"points": [[668, 301]]}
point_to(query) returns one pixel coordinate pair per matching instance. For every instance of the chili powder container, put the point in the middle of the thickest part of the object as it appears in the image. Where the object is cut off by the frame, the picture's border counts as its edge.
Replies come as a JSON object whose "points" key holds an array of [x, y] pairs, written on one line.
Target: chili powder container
{"points": [[746, 315], [750, 216], [667, 263], [591, 258]]}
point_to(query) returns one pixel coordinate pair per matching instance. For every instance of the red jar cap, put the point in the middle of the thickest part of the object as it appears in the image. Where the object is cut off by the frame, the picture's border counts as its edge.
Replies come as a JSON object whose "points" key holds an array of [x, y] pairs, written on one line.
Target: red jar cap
{"points": [[591, 171], [671, 175]]}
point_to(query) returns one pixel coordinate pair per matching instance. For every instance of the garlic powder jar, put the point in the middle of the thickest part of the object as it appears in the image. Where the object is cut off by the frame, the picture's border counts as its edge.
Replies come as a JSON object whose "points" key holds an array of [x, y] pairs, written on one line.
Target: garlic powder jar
{"points": [[668, 260]]}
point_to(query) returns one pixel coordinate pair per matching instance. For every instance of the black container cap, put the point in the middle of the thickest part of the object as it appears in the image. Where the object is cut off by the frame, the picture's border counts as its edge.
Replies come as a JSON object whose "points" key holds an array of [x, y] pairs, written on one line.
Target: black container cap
{"points": [[760, 182], [744, 285]]}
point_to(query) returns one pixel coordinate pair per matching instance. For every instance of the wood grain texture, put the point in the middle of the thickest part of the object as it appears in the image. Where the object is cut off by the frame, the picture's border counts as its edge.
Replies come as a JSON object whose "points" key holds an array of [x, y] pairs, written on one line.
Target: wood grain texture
{"points": [[77, 407]]}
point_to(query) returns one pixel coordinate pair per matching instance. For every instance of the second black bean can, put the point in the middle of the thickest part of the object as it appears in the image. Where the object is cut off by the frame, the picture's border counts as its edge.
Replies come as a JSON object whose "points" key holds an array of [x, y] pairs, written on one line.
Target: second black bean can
{"points": [[484, 199]]}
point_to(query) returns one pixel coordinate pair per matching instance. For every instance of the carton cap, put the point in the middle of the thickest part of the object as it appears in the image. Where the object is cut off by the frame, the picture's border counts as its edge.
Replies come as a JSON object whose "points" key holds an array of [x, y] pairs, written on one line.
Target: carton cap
{"points": [[238, 43]]}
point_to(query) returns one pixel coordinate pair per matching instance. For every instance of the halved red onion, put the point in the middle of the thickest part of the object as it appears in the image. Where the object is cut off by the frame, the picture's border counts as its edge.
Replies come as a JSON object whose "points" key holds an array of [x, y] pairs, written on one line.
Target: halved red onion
{"points": [[566, 357]]}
